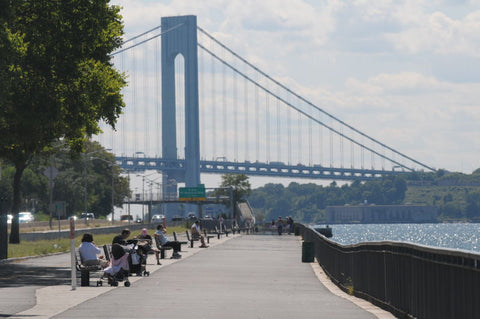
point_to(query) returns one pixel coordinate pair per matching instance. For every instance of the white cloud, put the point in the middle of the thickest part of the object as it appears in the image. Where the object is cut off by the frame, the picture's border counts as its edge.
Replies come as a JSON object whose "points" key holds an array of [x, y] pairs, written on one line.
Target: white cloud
{"points": [[439, 34]]}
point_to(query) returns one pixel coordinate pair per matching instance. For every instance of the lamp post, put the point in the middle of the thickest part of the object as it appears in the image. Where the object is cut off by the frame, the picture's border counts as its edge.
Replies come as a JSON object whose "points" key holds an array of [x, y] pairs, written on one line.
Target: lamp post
{"points": [[113, 190], [85, 193], [143, 193]]}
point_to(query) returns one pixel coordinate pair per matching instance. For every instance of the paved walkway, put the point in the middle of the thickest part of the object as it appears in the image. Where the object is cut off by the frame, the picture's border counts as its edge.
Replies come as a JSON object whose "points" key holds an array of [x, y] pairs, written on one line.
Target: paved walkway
{"points": [[245, 276]]}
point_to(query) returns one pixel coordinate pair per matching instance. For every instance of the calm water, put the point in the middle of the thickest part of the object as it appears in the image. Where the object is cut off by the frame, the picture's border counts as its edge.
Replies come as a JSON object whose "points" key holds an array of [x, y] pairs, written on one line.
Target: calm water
{"points": [[454, 236]]}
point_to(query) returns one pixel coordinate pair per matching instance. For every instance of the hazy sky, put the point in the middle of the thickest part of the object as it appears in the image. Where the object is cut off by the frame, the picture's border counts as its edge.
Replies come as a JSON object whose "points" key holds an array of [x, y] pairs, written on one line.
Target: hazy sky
{"points": [[405, 72]]}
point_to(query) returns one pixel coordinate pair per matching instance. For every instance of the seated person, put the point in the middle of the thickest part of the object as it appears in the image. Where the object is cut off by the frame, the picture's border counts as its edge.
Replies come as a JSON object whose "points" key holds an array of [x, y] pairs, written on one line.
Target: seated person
{"points": [[160, 235], [195, 229], [145, 243], [88, 252], [122, 238]]}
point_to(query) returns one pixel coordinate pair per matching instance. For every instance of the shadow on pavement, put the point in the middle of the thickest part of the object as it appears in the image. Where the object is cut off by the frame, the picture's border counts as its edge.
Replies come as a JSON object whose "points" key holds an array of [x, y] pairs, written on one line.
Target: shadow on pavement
{"points": [[19, 275]]}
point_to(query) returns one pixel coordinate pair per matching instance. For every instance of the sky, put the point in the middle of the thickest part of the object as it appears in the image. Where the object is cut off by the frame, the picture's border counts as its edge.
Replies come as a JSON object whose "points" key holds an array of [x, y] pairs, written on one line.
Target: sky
{"points": [[404, 72]]}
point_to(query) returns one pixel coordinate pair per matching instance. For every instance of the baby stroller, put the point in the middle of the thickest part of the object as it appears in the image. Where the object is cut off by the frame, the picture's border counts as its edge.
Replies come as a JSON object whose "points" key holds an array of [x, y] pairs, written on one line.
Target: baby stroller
{"points": [[137, 261], [119, 267]]}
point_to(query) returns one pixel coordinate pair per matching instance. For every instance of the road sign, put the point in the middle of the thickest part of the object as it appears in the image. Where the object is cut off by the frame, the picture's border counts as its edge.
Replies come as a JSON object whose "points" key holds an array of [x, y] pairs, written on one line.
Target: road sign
{"points": [[51, 172], [191, 193]]}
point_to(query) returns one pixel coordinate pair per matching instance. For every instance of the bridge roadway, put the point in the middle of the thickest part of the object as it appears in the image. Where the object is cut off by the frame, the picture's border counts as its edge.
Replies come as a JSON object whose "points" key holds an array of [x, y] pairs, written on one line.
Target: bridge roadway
{"points": [[240, 276]]}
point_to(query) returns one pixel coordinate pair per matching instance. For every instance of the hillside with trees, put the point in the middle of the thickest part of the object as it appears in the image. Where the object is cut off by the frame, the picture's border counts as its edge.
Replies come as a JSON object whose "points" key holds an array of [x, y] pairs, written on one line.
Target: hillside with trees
{"points": [[456, 195]]}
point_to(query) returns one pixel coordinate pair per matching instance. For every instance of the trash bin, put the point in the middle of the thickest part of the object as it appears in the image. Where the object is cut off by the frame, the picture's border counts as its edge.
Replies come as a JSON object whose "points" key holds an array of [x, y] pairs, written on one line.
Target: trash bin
{"points": [[308, 252]]}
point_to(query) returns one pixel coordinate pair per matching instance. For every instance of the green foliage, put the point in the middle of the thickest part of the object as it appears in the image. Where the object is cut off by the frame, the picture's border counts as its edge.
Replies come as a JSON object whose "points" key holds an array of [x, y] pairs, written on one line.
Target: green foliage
{"points": [[76, 175], [57, 81], [307, 202], [240, 185]]}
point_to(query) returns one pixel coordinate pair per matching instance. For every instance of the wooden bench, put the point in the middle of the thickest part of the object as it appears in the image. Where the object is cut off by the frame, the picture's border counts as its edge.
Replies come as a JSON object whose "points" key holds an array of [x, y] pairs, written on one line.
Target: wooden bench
{"points": [[225, 230], [191, 239], [218, 232], [207, 236], [85, 270], [160, 248], [181, 242]]}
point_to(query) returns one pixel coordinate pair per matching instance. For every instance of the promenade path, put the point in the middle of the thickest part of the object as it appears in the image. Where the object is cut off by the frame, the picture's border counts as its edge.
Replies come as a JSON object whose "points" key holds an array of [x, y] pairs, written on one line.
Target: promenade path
{"points": [[242, 276]]}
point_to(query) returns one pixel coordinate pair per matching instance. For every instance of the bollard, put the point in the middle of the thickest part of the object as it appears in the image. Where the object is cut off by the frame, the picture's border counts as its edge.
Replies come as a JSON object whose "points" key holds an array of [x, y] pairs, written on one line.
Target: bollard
{"points": [[308, 252], [296, 231]]}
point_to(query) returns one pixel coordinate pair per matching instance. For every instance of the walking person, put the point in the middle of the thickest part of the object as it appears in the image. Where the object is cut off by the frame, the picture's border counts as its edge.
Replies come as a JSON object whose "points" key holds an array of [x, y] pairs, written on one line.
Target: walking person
{"points": [[280, 225]]}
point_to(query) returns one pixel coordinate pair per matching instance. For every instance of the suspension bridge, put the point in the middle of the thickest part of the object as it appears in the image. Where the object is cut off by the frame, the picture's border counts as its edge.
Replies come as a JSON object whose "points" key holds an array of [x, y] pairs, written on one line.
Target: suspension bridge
{"points": [[193, 105]]}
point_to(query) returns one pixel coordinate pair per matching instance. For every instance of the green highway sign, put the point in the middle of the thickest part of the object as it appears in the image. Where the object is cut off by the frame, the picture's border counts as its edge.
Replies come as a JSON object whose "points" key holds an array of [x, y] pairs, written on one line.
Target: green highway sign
{"points": [[191, 193]]}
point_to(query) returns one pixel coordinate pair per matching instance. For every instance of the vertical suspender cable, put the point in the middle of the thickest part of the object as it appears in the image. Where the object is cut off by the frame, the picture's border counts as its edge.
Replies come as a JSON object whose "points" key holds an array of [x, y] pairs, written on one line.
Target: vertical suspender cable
{"points": [[134, 99], [320, 146], [146, 106], [331, 148], [158, 111], [124, 126], [289, 128], [202, 103], [279, 149], [341, 147], [257, 126], [235, 117], [299, 136], [352, 155], [247, 116], [224, 109], [214, 109], [310, 146], [267, 127]]}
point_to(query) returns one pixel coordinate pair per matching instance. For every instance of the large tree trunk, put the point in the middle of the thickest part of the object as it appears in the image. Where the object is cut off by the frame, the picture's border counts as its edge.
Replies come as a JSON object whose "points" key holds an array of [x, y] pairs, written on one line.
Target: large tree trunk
{"points": [[15, 228], [3, 232]]}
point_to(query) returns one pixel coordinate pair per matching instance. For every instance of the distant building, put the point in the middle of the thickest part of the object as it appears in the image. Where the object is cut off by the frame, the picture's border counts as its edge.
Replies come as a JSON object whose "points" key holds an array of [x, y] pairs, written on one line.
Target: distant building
{"points": [[381, 214]]}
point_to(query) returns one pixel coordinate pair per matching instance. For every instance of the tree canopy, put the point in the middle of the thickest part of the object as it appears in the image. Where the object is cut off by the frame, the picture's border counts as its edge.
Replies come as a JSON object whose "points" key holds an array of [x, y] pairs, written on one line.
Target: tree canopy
{"points": [[58, 81]]}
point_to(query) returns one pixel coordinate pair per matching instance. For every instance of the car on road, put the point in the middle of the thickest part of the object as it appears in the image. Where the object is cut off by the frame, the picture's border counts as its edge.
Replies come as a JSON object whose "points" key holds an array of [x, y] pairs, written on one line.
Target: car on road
{"points": [[25, 217], [157, 218], [126, 218], [177, 218], [87, 216]]}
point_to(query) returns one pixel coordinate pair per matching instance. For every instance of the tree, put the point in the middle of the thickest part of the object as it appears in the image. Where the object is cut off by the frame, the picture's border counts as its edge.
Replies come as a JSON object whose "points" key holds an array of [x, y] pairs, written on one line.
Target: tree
{"points": [[60, 79], [239, 183]]}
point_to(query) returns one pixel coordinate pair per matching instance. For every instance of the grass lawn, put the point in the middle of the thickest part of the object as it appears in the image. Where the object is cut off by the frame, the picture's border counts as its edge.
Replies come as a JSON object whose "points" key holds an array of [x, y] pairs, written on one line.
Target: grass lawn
{"points": [[42, 247]]}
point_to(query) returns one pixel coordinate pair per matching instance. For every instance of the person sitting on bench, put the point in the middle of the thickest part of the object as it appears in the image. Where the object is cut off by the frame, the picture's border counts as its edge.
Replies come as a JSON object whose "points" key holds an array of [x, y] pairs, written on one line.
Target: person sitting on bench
{"points": [[160, 235], [196, 234], [88, 252], [145, 243]]}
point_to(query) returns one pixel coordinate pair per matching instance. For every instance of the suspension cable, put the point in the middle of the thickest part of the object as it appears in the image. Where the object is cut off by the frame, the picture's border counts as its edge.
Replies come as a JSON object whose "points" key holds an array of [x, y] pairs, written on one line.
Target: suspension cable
{"points": [[299, 110], [310, 103]]}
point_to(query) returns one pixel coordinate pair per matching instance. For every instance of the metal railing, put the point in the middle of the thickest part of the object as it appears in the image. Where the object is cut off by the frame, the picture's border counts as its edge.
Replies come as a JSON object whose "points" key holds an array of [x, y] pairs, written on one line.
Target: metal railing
{"points": [[410, 281]]}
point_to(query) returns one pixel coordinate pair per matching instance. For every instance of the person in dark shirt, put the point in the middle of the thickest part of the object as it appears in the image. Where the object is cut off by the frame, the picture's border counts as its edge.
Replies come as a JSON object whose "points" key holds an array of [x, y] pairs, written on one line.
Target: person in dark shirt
{"points": [[145, 242], [122, 238]]}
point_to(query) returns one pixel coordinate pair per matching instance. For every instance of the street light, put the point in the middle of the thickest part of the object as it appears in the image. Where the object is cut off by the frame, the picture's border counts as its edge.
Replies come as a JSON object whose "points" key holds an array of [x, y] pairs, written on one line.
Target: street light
{"points": [[113, 190], [85, 193], [143, 193]]}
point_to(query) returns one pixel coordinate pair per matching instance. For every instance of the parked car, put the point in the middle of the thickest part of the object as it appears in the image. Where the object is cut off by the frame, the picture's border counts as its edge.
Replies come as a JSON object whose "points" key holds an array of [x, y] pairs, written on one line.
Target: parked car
{"points": [[126, 218], [177, 218], [157, 218], [25, 217], [87, 216]]}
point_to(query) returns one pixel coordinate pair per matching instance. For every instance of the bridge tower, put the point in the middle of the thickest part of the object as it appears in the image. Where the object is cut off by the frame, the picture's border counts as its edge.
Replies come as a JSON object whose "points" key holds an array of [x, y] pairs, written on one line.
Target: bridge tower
{"points": [[180, 37]]}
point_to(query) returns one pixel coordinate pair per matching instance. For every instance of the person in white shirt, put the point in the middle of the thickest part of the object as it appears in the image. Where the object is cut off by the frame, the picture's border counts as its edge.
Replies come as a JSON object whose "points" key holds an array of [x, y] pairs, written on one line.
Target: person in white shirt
{"points": [[88, 252], [195, 229]]}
